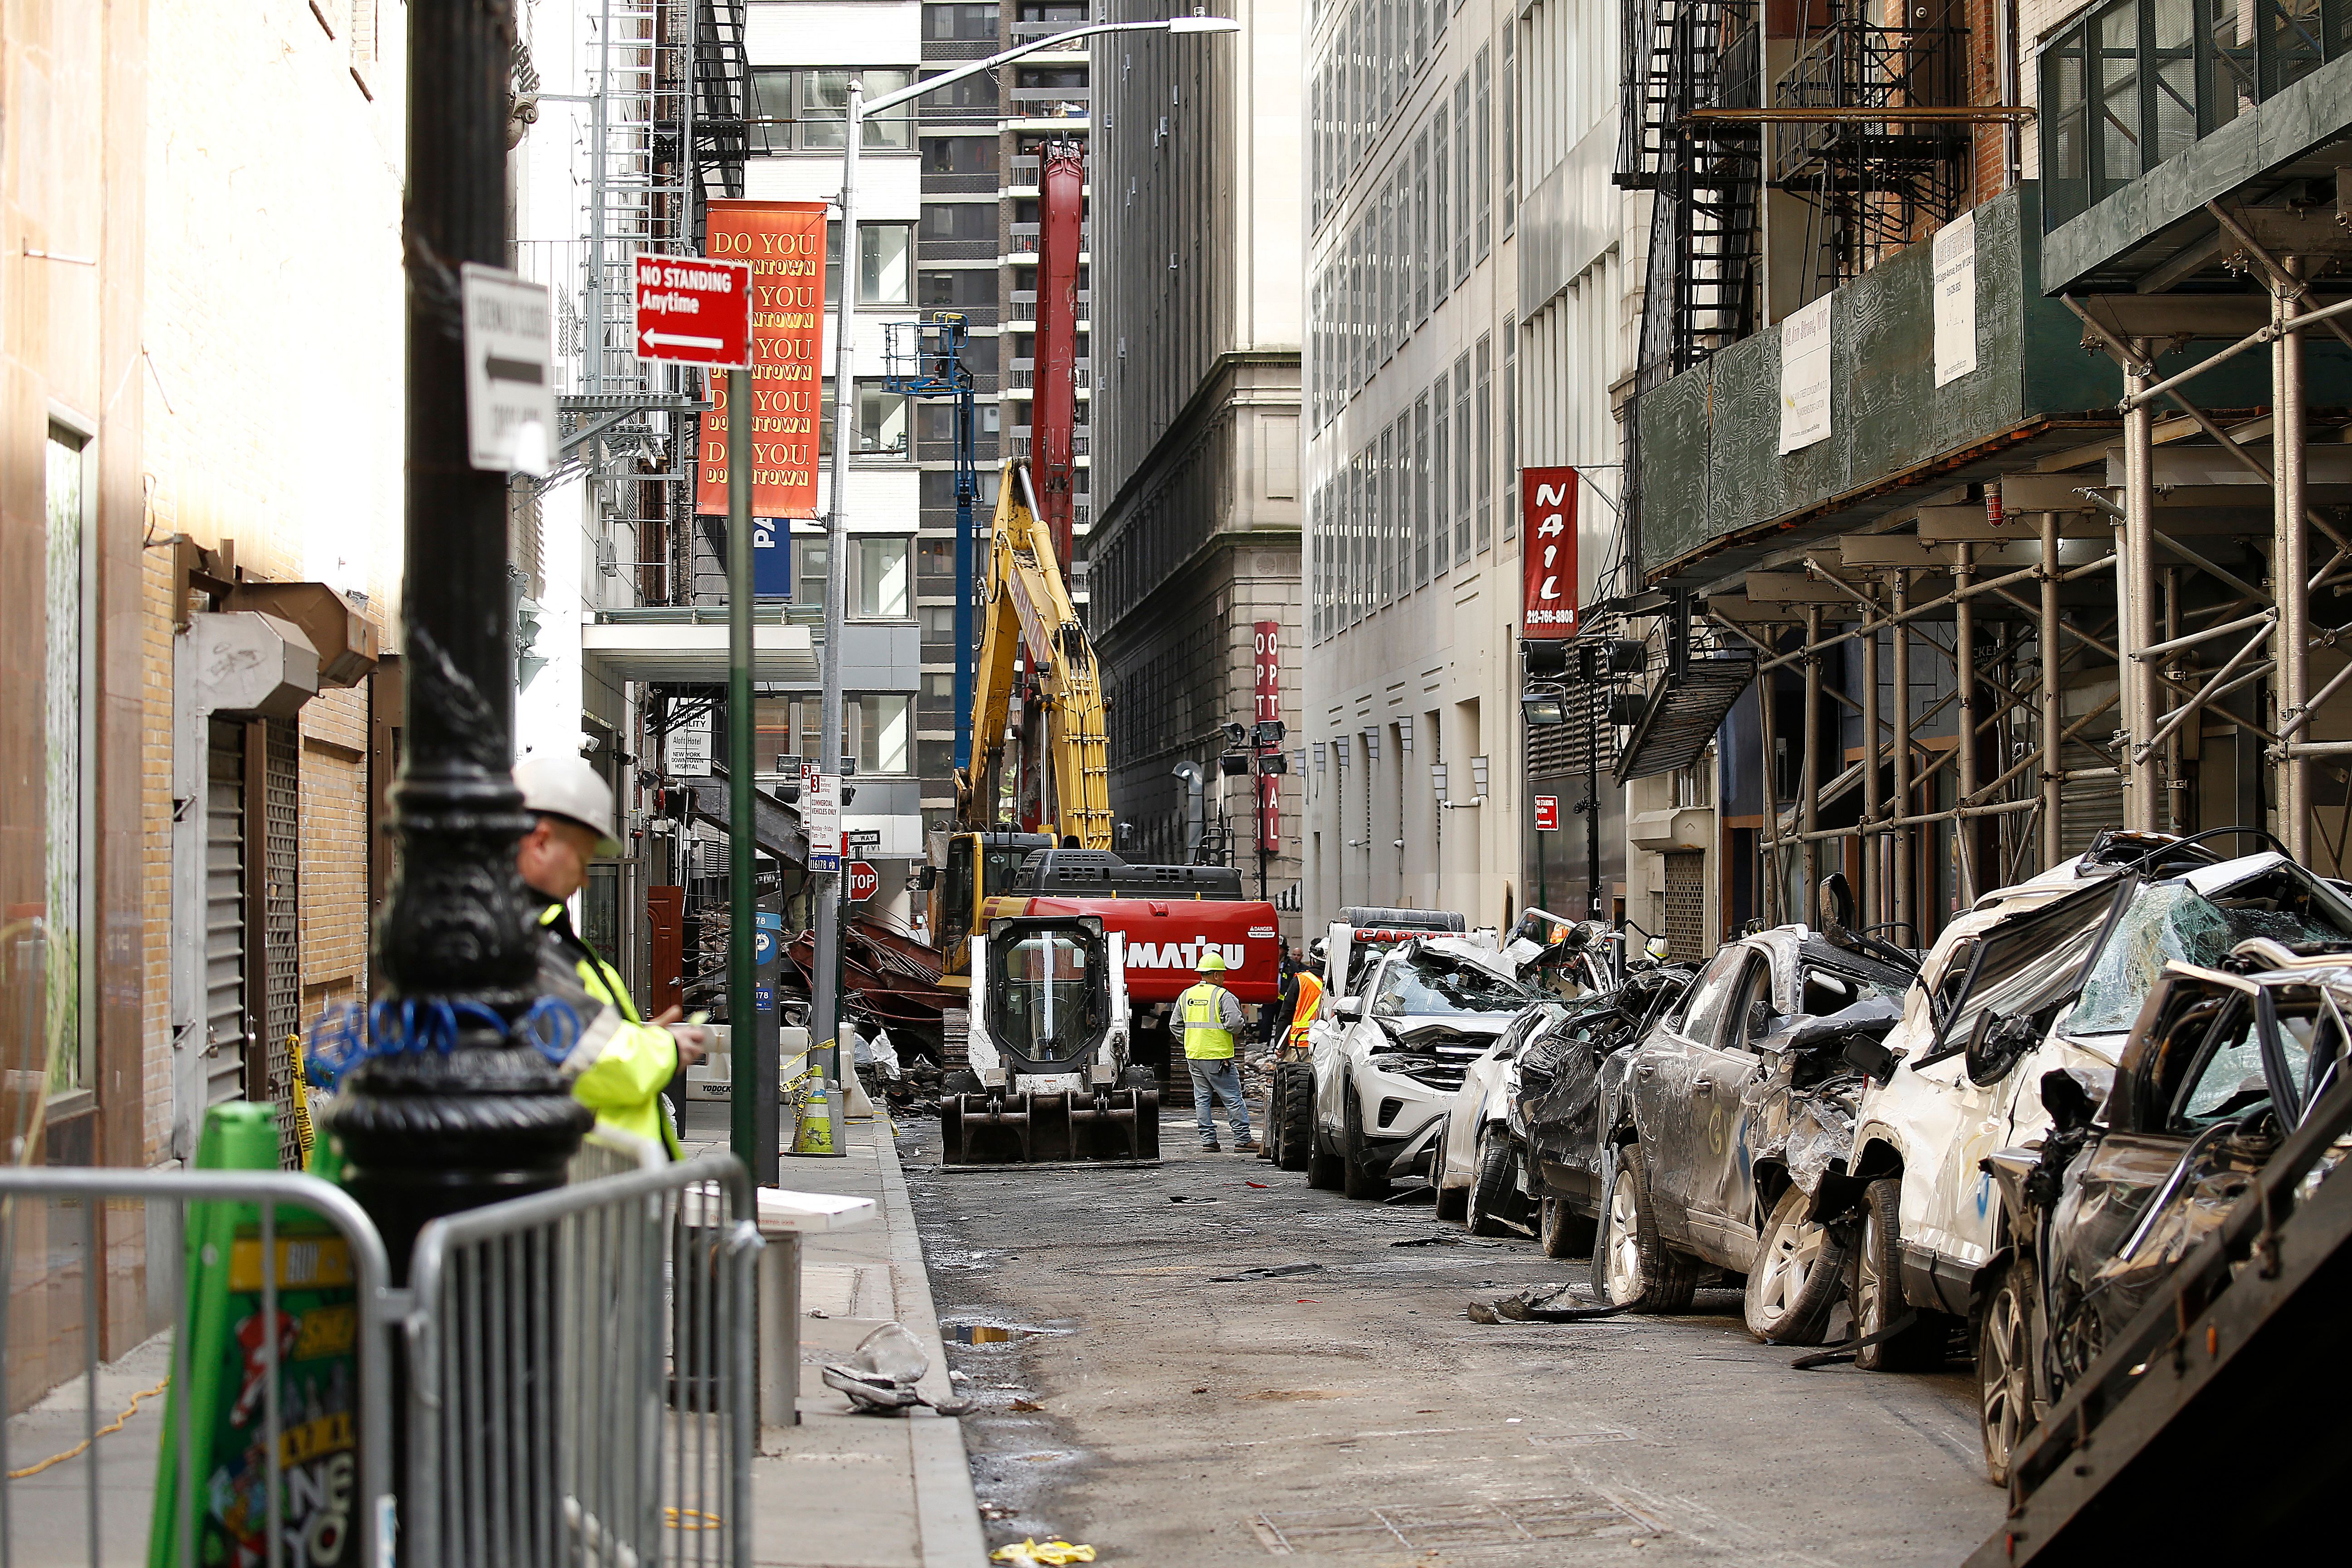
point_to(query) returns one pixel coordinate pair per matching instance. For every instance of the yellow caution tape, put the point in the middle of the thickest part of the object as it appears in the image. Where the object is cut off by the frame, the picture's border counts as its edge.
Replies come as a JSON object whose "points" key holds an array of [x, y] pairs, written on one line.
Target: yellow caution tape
{"points": [[302, 1131], [678, 1517], [29, 1471], [1049, 1554]]}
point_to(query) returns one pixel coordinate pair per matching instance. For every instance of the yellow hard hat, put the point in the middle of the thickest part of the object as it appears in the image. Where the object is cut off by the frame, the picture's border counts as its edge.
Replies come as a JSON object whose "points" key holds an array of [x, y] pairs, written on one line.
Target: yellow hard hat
{"points": [[1212, 963]]}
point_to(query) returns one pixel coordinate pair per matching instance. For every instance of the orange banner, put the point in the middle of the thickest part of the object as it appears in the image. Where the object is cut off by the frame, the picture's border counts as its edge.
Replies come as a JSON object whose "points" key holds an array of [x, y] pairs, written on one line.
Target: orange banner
{"points": [[784, 243]]}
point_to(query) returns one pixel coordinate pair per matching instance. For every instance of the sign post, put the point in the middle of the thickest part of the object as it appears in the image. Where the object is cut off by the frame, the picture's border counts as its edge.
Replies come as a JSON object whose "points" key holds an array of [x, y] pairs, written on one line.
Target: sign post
{"points": [[690, 311]]}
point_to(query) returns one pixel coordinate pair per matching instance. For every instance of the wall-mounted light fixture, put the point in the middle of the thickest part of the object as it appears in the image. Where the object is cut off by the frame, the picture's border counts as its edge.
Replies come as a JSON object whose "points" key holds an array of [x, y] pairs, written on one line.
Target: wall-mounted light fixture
{"points": [[1404, 733], [1437, 781], [1339, 749], [1319, 756], [1479, 775], [1372, 747]]}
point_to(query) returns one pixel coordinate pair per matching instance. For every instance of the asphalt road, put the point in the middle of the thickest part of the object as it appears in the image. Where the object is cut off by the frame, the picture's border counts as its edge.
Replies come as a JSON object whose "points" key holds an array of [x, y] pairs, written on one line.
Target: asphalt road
{"points": [[1350, 1412]]}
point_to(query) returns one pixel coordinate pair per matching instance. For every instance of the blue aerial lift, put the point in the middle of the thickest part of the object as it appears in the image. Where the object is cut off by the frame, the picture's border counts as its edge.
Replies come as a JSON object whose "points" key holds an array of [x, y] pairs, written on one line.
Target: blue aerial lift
{"points": [[925, 357]]}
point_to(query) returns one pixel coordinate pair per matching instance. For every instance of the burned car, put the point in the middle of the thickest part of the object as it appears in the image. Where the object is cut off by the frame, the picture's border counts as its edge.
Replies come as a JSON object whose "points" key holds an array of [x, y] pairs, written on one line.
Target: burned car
{"points": [[1481, 1175], [1722, 1124], [1554, 1116], [1389, 1058], [2046, 975], [2221, 1065]]}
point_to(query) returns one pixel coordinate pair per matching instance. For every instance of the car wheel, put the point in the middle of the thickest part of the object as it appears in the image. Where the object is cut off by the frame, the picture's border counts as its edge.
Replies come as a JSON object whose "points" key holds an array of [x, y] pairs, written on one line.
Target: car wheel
{"points": [[1632, 1268], [2004, 1347], [1356, 1178], [1563, 1232], [1493, 1182], [1324, 1167], [1293, 1114], [1874, 1286], [1798, 1269]]}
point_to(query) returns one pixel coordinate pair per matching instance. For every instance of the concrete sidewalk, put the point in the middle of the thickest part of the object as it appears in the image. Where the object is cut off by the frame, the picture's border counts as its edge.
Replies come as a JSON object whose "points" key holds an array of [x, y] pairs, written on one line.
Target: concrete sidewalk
{"points": [[859, 1491]]}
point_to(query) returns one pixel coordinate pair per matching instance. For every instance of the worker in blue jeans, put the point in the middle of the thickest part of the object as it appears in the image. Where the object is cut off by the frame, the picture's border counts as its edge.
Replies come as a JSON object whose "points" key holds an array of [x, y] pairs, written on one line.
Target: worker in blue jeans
{"points": [[1207, 1017]]}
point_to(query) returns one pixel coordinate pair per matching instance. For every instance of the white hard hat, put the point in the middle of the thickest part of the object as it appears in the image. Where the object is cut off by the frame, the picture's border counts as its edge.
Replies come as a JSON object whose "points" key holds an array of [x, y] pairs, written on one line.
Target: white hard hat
{"points": [[570, 788]]}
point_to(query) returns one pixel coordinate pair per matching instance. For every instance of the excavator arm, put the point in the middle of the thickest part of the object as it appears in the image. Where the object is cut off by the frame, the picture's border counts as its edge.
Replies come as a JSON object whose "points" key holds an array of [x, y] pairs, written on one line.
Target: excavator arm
{"points": [[1028, 610]]}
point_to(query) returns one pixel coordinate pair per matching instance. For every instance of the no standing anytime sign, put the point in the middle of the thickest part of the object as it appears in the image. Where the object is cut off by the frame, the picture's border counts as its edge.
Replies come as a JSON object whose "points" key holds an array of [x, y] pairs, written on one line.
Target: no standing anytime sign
{"points": [[694, 310]]}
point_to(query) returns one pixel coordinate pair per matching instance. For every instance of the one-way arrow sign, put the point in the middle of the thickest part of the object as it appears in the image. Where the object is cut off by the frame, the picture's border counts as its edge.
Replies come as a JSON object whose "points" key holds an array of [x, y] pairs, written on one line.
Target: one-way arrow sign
{"points": [[694, 310]]}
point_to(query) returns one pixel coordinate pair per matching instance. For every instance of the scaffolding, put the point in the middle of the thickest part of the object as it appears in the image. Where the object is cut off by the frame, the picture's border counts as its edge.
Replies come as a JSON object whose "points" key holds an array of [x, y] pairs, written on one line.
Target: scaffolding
{"points": [[2112, 640]]}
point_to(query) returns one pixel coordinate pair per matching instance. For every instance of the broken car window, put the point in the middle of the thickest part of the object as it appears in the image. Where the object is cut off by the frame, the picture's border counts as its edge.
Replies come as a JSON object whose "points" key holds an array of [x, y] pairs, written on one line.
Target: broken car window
{"points": [[2227, 1083], [2172, 921], [1434, 984], [1712, 992], [2025, 964]]}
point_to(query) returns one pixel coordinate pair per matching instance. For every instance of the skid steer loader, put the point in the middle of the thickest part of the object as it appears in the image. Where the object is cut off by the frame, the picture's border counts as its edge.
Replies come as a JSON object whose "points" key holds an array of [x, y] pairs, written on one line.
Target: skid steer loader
{"points": [[1048, 1079]]}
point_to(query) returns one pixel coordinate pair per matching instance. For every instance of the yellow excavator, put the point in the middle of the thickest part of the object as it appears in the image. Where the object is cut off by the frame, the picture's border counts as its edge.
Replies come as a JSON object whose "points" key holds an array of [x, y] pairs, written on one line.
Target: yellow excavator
{"points": [[1028, 610]]}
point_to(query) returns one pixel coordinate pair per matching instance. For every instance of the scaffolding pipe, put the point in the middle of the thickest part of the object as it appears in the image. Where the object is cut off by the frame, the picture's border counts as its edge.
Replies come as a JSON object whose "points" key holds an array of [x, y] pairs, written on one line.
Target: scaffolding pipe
{"points": [[2190, 639], [1964, 682], [1916, 612], [2136, 585], [2173, 775], [2211, 687], [2052, 766], [2290, 558], [2318, 699], [1811, 776], [1999, 808], [1773, 878], [2256, 339], [1866, 844], [1906, 908]]}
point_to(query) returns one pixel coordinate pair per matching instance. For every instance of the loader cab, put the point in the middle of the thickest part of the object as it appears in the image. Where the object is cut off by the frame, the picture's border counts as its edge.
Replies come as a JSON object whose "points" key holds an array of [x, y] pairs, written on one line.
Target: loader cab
{"points": [[973, 868], [1046, 993]]}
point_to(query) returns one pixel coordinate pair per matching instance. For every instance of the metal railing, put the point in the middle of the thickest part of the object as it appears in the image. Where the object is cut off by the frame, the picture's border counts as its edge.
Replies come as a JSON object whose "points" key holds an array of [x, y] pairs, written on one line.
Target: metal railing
{"points": [[578, 1370], [280, 1269]]}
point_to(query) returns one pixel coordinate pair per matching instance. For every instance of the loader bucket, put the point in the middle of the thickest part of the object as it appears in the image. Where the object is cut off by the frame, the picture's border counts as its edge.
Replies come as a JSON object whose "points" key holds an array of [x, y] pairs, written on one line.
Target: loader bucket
{"points": [[1121, 1125]]}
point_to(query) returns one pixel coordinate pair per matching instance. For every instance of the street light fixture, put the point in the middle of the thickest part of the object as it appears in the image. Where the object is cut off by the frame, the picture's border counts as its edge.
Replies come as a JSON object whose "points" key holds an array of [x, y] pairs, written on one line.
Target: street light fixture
{"points": [[827, 906], [1544, 707]]}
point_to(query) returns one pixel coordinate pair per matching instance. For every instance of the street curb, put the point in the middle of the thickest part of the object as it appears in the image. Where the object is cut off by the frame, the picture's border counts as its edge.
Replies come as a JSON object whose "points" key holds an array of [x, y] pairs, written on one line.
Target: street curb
{"points": [[947, 1510]]}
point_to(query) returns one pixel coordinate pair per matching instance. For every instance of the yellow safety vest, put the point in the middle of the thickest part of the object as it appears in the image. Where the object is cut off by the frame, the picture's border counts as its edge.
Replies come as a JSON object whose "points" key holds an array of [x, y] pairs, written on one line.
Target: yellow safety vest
{"points": [[1203, 1008], [1310, 1005], [620, 1063]]}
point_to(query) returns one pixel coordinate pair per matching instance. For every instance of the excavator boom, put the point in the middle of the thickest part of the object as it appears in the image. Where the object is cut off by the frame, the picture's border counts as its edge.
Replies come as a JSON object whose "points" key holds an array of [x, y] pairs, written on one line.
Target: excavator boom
{"points": [[1028, 611]]}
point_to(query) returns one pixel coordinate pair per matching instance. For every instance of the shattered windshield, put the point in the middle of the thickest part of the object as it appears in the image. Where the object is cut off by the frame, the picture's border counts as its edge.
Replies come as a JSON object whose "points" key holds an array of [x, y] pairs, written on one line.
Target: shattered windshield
{"points": [[2172, 921], [1431, 985]]}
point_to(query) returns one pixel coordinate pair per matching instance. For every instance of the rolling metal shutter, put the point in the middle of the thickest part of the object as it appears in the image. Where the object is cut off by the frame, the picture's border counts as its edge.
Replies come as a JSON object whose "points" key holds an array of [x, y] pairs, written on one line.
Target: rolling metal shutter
{"points": [[1686, 907], [281, 860], [227, 1028]]}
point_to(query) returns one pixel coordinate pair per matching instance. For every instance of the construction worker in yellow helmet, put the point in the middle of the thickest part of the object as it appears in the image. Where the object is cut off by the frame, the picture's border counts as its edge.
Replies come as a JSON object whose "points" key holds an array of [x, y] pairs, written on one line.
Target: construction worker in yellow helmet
{"points": [[620, 1062], [1207, 1017]]}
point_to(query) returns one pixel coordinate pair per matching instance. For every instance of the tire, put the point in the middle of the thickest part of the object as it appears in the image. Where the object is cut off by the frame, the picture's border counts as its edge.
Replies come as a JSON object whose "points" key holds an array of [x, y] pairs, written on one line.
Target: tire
{"points": [[1874, 1286], [1799, 1268], [1356, 1179], [1325, 1169], [1294, 1115], [1494, 1183], [1561, 1231], [1632, 1268], [2003, 1341]]}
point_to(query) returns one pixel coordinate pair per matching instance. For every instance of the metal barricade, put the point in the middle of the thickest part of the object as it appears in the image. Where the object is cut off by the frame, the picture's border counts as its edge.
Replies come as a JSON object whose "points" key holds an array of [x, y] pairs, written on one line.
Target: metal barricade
{"points": [[606, 1152], [545, 1425], [89, 1191]]}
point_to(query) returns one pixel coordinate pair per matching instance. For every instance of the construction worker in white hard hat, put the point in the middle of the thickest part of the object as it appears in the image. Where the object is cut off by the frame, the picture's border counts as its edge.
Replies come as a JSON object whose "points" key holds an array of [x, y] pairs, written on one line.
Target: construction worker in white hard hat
{"points": [[1207, 1016], [621, 1062]]}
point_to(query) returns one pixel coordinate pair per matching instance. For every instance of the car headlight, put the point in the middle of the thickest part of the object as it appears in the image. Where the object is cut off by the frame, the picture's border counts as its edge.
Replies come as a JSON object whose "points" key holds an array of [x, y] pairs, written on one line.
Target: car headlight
{"points": [[1388, 1062]]}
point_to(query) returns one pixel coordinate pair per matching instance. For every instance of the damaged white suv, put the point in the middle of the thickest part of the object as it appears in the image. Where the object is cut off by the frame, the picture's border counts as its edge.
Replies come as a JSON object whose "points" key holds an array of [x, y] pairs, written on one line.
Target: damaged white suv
{"points": [[2048, 974], [1390, 1058]]}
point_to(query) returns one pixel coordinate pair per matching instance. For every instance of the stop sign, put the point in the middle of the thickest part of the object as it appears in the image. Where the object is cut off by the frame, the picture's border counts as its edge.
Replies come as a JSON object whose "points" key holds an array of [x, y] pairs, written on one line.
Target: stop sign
{"points": [[865, 882]]}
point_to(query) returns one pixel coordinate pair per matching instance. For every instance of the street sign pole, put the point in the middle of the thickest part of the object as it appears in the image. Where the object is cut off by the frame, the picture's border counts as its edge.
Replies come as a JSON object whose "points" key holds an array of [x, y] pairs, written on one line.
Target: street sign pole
{"points": [[752, 1125]]}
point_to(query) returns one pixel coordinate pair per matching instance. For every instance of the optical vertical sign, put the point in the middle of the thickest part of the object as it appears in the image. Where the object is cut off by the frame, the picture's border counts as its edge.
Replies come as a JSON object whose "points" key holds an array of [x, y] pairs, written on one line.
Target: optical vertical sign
{"points": [[785, 244], [1548, 548], [1269, 659]]}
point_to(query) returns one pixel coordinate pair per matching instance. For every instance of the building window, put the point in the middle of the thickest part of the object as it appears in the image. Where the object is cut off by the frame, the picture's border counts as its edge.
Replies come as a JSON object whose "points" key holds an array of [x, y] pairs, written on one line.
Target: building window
{"points": [[972, 24], [1462, 197], [1485, 450], [1486, 160], [1441, 497], [1443, 234], [1419, 258], [972, 92], [879, 586], [1061, 13], [1421, 491], [881, 423], [772, 112], [1510, 430], [65, 705], [1464, 460], [959, 223], [973, 290], [1510, 127], [808, 569], [886, 264], [880, 733], [807, 111], [959, 154]]}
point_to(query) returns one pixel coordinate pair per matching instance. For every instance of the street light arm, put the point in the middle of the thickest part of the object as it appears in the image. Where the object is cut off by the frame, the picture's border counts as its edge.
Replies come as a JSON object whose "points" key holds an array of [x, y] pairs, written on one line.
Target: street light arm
{"points": [[1037, 46]]}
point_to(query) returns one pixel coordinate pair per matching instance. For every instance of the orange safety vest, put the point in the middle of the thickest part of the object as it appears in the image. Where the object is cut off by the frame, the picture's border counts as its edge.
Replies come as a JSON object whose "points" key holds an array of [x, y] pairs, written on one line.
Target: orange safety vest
{"points": [[1310, 1005]]}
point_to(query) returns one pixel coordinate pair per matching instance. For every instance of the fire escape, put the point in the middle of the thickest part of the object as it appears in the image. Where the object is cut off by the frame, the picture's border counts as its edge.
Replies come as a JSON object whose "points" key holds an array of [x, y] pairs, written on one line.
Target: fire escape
{"points": [[1874, 181]]}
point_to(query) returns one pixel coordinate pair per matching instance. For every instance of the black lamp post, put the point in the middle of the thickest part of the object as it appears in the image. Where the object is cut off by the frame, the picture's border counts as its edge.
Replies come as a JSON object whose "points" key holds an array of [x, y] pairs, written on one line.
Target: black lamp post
{"points": [[467, 1110]]}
